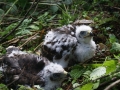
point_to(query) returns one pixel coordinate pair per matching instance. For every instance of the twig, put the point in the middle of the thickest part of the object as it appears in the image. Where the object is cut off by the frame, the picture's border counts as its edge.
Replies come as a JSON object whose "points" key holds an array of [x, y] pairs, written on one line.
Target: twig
{"points": [[109, 81], [34, 9], [2, 39], [112, 7], [28, 40], [112, 84], [38, 46], [41, 35], [68, 88], [20, 37]]}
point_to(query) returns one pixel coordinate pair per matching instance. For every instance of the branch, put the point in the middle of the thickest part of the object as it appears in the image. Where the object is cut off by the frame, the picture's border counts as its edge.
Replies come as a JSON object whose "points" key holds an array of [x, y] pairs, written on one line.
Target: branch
{"points": [[34, 4], [28, 40], [112, 84], [112, 7]]}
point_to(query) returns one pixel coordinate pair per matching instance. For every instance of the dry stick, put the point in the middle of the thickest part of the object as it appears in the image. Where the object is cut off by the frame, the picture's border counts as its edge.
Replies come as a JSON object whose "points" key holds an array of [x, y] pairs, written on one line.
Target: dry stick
{"points": [[38, 46], [34, 9], [28, 40], [106, 82], [2, 39], [7, 42], [112, 84], [112, 7], [70, 85]]}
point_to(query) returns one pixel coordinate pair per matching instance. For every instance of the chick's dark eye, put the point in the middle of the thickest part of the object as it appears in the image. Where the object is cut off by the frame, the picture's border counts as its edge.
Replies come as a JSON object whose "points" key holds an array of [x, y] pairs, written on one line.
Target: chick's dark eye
{"points": [[82, 32], [56, 75]]}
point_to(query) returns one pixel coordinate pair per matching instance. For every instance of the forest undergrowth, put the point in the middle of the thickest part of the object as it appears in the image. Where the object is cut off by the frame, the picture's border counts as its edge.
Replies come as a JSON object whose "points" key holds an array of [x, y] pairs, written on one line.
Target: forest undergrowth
{"points": [[23, 23]]}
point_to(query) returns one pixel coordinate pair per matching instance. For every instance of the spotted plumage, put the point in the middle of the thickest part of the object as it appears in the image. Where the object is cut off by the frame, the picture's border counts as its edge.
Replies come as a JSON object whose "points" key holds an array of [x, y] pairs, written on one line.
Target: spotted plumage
{"points": [[69, 42], [30, 69]]}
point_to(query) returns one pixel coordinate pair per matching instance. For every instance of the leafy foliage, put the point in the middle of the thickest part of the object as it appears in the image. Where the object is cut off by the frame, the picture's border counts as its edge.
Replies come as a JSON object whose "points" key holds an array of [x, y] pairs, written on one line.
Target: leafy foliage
{"points": [[3, 87], [76, 71], [98, 72], [47, 14], [115, 47]]}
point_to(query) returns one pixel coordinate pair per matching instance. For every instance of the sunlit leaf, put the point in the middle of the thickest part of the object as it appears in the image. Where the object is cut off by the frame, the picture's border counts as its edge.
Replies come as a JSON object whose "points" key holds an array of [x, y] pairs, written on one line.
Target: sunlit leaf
{"points": [[97, 73], [110, 66], [87, 86], [96, 65]]}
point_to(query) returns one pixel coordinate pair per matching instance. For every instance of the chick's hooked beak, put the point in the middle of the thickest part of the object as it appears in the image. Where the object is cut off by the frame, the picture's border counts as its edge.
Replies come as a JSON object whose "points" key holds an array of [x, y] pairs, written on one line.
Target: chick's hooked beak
{"points": [[65, 72], [89, 33]]}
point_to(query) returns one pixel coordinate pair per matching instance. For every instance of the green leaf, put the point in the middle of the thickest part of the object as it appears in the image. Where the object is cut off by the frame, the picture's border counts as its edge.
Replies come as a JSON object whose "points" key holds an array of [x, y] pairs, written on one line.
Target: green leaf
{"points": [[67, 2], [87, 86], [38, 87], [2, 12], [87, 74], [3, 87], [34, 27], [12, 8], [97, 73], [25, 23], [96, 84], [78, 88], [24, 88], [75, 85], [117, 57], [110, 66], [112, 38], [115, 47], [54, 8], [96, 65], [8, 29], [77, 71], [23, 32], [59, 89], [51, 18], [42, 17]]}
